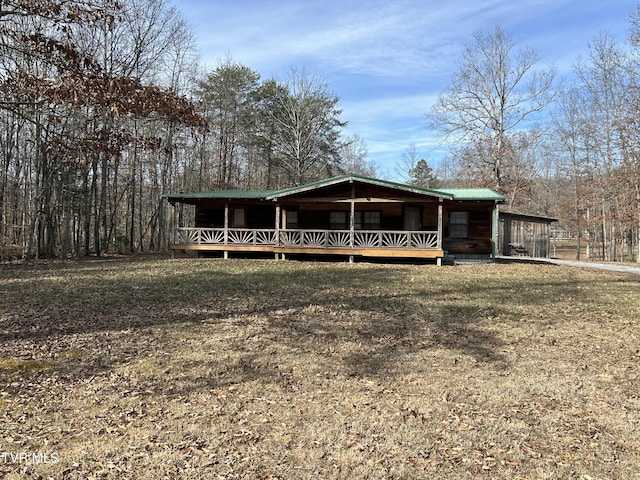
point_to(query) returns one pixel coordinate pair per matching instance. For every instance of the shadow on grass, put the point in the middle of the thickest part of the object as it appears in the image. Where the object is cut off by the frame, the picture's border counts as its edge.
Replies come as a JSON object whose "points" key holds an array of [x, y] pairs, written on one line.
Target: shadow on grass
{"points": [[371, 314]]}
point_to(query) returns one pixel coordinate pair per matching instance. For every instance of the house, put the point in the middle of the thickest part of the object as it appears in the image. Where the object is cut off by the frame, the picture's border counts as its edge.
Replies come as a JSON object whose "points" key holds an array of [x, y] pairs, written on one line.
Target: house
{"points": [[524, 235], [350, 215]]}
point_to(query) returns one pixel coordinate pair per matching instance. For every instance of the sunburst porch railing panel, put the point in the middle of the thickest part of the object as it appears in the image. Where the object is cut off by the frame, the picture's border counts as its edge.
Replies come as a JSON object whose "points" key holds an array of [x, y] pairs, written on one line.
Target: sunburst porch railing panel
{"points": [[308, 238]]}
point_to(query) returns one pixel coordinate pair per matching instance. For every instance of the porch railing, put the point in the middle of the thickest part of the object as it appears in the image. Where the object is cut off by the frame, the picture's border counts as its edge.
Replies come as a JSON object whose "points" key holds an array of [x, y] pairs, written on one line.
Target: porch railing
{"points": [[308, 238]]}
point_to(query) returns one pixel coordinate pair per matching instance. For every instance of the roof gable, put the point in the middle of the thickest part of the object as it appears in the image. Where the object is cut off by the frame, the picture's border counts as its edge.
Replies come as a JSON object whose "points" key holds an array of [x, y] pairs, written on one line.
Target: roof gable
{"points": [[353, 178]]}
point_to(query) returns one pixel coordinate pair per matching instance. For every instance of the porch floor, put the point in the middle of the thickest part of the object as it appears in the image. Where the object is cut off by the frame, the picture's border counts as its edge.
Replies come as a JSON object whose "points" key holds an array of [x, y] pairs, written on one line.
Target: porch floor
{"points": [[347, 251]]}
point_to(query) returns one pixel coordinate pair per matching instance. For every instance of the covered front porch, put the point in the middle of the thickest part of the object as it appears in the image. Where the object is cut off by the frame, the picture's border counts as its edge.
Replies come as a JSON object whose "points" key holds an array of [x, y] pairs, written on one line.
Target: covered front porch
{"points": [[367, 227], [366, 243], [351, 216]]}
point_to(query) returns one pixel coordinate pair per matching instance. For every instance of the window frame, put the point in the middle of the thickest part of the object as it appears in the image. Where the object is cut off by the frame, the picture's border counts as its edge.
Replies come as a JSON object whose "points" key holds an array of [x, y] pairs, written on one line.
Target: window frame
{"points": [[459, 224], [360, 222], [291, 219], [342, 224], [238, 217]]}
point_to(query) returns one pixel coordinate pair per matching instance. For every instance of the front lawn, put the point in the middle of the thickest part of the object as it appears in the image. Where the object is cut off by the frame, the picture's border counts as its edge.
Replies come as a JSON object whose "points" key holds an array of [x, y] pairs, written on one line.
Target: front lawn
{"points": [[154, 368]]}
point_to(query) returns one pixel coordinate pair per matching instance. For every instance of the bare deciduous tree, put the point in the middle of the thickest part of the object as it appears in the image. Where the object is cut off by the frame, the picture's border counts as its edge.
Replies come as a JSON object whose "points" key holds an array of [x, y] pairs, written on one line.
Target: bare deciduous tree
{"points": [[228, 94], [307, 128], [79, 73], [494, 93], [353, 156]]}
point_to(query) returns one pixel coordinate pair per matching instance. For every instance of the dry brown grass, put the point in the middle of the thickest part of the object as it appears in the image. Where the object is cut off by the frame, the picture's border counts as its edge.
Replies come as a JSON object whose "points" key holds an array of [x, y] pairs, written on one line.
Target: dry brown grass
{"points": [[150, 368]]}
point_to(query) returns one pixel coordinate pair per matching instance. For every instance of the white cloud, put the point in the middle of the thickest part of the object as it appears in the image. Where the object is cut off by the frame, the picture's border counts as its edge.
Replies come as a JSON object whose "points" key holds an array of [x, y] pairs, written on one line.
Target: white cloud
{"points": [[388, 60]]}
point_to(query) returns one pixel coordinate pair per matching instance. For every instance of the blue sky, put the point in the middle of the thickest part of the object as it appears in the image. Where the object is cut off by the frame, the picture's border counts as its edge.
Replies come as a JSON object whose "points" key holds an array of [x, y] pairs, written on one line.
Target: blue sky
{"points": [[388, 60]]}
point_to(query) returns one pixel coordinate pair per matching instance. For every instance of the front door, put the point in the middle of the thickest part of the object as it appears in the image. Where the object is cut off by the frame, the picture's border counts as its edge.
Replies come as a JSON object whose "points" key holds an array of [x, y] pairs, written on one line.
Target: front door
{"points": [[412, 218]]}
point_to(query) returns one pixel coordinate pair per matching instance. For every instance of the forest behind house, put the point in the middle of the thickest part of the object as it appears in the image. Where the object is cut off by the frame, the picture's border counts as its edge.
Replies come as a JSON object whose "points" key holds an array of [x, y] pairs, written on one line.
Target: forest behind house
{"points": [[105, 108]]}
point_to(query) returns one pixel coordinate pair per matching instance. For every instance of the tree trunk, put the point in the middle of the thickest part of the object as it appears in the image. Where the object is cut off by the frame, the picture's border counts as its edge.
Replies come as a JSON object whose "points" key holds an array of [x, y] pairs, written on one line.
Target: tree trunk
{"points": [[103, 199], [66, 240], [96, 212], [638, 217], [34, 226], [604, 232], [132, 203], [86, 210], [613, 241]]}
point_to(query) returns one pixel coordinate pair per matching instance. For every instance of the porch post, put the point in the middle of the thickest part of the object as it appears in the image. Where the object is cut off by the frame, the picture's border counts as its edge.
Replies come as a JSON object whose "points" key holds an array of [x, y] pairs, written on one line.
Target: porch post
{"points": [[440, 233], [225, 254], [494, 231], [226, 223], [172, 230], [352, 216], [277, 242]]}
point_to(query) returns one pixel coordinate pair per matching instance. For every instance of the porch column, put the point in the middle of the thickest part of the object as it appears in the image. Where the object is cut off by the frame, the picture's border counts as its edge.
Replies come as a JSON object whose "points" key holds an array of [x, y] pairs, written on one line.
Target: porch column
{"points": [[172, 230], [352, 216], [226, 223], [494, 231], [277, 239], [440, 232], [225, 254]]}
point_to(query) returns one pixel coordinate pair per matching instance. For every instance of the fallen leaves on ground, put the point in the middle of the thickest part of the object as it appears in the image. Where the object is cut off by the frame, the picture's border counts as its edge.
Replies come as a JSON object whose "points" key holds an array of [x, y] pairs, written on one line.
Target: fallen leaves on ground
{"points": [[150, 368]]}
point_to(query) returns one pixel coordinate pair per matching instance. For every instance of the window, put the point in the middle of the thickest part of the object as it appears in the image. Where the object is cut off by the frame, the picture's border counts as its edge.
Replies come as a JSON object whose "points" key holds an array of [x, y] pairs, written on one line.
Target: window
{"points": [[338, 221], [459, 224], [366, 220], [292, 219], [237, 217]]}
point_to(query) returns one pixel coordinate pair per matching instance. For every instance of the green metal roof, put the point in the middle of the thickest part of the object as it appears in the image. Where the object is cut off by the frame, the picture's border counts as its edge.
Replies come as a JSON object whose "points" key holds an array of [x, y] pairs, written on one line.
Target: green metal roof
{"points": [[227, 194], [473, 194], [469, 194]]}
